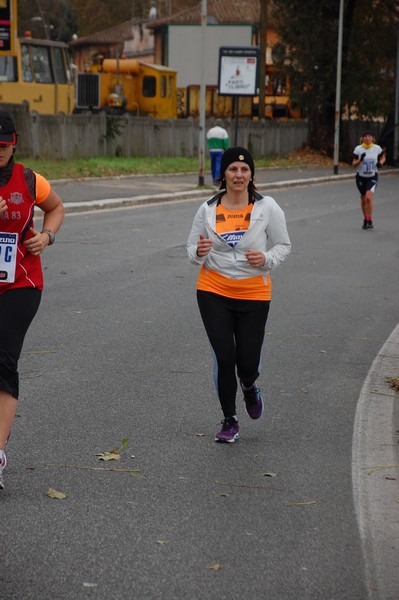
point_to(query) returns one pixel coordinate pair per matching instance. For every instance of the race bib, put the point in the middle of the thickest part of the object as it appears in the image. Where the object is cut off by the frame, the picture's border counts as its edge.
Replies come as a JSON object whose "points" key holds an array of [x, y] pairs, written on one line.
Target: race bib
{"points": [[368, 167], [8, 256]]}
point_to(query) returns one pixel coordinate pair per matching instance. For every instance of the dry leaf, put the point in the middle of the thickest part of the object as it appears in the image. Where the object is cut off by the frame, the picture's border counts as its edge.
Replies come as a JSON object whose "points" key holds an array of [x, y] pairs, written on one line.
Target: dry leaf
{"points": [[199, 434], [162, 542], [108, 456], [393, 382], [305, 389], [52, 493], [267, 474], [115, 453], [215, 567]]}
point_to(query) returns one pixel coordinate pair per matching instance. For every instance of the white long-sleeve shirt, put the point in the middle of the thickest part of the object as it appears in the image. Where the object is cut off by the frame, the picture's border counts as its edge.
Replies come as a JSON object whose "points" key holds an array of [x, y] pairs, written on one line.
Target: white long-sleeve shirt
{"points": [[267, 232]]}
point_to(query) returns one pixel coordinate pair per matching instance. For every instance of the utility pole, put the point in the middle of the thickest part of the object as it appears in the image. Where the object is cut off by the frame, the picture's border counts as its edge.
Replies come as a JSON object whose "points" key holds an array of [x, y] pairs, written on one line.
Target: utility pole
{"points": [[262, 65], [396, 110], [338, 88], [201, 144]]}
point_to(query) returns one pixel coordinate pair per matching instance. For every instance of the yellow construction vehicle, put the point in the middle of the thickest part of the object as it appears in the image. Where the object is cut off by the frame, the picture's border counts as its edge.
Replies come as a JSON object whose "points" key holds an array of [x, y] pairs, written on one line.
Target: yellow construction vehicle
{"points": [[127, 85], [34, 72]]}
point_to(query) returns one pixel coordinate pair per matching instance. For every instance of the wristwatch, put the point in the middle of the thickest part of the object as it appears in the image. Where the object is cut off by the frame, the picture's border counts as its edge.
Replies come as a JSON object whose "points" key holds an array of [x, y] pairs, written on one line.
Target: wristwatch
{"points": [[51, 236]]}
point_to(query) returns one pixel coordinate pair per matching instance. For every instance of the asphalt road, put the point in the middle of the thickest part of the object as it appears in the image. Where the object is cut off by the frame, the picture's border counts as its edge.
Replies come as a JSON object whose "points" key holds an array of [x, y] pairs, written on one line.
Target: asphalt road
{"points": [[118, 351]]}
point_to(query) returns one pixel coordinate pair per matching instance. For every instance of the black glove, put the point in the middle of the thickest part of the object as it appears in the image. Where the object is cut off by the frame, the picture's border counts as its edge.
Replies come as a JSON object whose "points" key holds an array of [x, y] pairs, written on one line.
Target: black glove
{"points": [[362, 156]]}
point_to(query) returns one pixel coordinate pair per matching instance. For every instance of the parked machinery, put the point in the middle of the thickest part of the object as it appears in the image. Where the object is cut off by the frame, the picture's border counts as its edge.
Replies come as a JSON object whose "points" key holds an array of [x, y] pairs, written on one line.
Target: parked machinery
{"points": [[37, 73], [276, 106], [127, 85]]}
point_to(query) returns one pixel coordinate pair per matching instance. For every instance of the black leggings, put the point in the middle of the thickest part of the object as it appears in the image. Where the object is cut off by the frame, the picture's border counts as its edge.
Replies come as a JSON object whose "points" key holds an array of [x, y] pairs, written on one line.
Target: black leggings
{"points": [[17, 309], [236, 329]]}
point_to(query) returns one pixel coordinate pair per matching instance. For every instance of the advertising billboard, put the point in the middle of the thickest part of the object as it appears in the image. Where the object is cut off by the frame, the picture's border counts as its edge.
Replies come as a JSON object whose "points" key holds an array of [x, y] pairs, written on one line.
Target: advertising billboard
{"points": [[239, 71]]}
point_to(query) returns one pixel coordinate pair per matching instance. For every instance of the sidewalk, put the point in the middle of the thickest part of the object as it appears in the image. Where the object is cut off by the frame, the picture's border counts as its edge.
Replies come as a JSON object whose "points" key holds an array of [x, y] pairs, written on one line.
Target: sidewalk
{"points": [[105, 193]]}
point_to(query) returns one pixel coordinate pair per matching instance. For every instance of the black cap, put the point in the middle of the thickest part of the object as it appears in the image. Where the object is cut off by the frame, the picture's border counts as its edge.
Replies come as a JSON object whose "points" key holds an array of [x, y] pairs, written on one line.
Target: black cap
{"points": [[7, 129], [236, 154]]}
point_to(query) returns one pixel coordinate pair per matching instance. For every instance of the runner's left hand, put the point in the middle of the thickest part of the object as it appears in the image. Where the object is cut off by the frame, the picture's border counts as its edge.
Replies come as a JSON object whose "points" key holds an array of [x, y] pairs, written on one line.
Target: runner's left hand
{"points": [[37, 242], [255, 258]]}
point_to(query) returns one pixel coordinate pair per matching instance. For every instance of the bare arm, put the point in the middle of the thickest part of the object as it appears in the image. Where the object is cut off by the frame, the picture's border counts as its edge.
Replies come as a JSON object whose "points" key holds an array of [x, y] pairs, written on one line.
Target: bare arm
{"points": [[53, 209]]}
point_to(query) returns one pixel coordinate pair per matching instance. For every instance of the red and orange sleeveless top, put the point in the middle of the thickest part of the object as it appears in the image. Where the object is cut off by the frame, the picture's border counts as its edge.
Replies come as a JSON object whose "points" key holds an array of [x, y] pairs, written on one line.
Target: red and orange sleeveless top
{"points": [[18, 219]]}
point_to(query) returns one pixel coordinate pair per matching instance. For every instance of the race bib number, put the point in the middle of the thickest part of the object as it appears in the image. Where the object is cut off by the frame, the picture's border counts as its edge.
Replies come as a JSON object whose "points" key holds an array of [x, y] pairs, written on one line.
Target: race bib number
{"points": [[8, 256], [368, 167]]}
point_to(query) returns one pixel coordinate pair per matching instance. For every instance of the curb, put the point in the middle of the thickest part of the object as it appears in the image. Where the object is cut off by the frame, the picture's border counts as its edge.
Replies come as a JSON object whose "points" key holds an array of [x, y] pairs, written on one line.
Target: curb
{"points": [[194, 194], [374, 472]]}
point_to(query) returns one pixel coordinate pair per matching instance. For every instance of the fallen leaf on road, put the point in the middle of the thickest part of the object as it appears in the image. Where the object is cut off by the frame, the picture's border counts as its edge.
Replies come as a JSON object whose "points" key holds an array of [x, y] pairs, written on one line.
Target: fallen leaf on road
{"points": [[267, 474], [214, 567], [162, 542], [393, 382], [115, 453], [108, 456], [52, 493], [306, 388]]}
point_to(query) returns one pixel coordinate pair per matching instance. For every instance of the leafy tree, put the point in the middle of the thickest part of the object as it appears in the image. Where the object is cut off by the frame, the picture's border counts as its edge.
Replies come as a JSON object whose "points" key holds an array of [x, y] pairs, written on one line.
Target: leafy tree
{"points": [[310, 32], [54, 19], [96, 15], [60, 19]]}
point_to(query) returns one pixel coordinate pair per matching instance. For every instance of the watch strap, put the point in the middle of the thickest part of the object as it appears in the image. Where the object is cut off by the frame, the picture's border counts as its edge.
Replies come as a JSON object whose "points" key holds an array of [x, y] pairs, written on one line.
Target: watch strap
{"points": [[51, 236]]}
